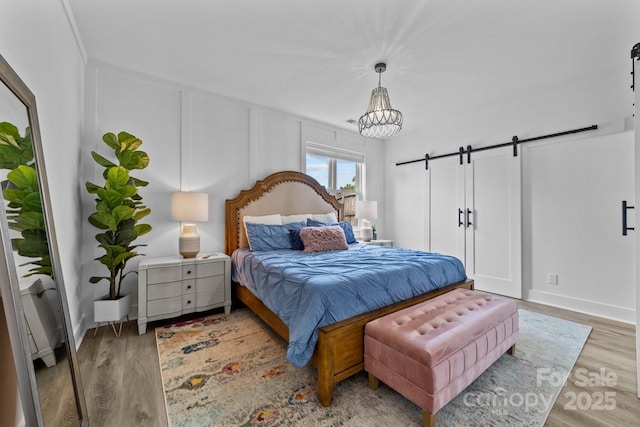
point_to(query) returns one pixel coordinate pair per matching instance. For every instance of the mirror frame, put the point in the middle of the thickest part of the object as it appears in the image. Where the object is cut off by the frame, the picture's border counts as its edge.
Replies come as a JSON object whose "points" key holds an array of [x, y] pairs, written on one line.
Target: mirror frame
{"points": [[14, 312]]}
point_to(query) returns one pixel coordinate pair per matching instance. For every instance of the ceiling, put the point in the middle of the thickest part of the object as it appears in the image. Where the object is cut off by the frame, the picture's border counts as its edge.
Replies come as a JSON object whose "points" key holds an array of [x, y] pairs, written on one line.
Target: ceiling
{"points": [[316, 58]]}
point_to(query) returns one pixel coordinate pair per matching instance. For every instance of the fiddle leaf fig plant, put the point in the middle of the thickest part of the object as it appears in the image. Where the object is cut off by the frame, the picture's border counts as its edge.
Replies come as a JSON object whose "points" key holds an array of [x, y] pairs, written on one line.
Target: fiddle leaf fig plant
{"points": [[119, 208], [22, 192]]}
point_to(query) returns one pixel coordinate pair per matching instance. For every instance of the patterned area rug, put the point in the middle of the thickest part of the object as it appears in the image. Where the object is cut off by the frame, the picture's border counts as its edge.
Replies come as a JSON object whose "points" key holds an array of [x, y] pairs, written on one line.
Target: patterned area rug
{"points": [[232, 371]]}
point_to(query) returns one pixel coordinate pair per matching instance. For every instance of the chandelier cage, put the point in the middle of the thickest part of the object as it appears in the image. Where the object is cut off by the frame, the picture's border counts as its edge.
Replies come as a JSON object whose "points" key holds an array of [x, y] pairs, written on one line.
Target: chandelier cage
{"points": [[380, 120]]}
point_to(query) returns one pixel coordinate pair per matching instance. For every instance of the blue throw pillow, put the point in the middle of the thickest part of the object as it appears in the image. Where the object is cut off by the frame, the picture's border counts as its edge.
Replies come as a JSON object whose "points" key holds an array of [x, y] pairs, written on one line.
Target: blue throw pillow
{"points": [[296, 240], [346, 227], [269, 237]]}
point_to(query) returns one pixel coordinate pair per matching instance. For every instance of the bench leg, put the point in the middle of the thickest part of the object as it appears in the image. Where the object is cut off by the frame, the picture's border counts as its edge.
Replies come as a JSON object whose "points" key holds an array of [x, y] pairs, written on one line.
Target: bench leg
{"points": [[512, 350], [428, 420], [373, 382]]}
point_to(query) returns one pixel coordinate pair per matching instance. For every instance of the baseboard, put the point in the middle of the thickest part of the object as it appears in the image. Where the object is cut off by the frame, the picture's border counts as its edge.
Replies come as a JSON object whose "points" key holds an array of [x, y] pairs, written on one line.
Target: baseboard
{"points": [[606, 311]]}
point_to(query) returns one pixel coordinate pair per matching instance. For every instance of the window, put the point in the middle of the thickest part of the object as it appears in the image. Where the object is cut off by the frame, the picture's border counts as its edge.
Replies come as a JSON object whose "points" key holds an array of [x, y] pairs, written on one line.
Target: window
{"points": [[340, 171]]}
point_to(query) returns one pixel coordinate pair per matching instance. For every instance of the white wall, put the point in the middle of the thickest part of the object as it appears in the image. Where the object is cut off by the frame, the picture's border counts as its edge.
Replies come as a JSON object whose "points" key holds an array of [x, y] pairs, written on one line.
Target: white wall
{"points": [[51, 64], [196, 141], [573, 195], [572, 186], [38, 42]]}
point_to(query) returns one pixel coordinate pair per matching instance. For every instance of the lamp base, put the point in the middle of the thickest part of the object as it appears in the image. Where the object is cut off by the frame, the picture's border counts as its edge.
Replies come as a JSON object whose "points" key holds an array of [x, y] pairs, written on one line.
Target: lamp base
{"points": [[189, 246], [366, 233]]}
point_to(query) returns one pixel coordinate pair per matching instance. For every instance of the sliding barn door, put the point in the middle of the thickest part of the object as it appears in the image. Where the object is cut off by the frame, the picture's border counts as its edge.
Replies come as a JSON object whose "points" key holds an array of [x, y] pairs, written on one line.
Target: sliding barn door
{"points": [[475, 214], [446, 200], [494, 224]]}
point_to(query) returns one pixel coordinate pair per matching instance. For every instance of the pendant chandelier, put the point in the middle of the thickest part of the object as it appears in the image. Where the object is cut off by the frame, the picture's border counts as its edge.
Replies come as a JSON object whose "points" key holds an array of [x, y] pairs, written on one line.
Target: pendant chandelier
{"points": [[380, 120]]}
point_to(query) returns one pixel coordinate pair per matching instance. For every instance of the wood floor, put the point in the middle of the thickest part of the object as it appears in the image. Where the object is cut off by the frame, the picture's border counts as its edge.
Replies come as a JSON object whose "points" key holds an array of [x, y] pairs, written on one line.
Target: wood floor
{"points": [[123, 386]]}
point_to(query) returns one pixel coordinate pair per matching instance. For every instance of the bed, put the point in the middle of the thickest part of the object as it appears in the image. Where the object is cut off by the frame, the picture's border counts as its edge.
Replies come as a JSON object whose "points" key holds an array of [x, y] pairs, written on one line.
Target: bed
{"points": [[339, 347]]}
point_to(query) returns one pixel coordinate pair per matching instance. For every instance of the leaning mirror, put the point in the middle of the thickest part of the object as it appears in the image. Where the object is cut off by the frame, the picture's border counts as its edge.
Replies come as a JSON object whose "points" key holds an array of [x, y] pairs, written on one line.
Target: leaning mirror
{"points": [[32, 288]]}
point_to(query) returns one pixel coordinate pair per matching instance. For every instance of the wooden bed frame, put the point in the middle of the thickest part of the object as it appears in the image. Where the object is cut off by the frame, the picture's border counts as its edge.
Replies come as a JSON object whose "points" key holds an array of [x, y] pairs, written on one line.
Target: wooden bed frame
{"points": [[339, 352]]}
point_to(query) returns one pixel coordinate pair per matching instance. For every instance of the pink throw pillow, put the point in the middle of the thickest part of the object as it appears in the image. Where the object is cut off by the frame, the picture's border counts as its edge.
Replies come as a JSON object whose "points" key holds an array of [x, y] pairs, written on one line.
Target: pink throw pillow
{"points": [[320, 239]]}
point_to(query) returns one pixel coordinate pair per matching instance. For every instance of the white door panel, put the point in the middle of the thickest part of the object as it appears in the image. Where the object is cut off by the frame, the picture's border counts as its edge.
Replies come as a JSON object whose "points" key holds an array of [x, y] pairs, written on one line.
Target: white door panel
{"points": [[493, 238], [446, 197]]}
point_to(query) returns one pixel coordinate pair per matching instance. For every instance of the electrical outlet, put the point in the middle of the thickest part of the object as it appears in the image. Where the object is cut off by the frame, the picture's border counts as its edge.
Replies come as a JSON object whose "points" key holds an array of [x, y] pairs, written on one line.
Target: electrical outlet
{"points": [[552, 279]]}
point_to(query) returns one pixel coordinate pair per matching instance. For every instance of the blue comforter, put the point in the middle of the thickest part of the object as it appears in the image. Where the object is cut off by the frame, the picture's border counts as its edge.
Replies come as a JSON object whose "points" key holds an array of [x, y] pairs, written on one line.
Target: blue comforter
{"points": [[311, 290]]}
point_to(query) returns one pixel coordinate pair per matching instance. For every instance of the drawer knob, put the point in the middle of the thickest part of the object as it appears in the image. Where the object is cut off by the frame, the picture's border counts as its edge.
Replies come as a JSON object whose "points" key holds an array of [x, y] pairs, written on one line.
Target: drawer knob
{"points": [[189, 287], [188, 271]]}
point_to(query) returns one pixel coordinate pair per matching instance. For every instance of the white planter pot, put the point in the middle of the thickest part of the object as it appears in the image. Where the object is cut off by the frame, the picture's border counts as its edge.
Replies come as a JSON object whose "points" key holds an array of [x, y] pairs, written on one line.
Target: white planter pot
{"points": [[111, 310]]}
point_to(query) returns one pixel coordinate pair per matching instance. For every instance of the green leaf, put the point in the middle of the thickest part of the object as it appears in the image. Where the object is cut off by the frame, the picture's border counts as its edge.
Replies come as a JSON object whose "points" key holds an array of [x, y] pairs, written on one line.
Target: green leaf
{"points": [[134, 159], [102, 207], [24, 177], [126, 225], [142, 229], [123, 257], [31, 220], [32, 202], [121, 213], [113, 250], [32, 248], [139, 183], [124, 238], [113, 198], [102, 221], [141, 214], [91, 188], [10, 129], [117, 177], [8, 139], [124, 136], [111, 140], [102, 161], [132, 143], [13, 195], [128, 191], [106, 238], [10, 157], [96, 279], [106, 260]]}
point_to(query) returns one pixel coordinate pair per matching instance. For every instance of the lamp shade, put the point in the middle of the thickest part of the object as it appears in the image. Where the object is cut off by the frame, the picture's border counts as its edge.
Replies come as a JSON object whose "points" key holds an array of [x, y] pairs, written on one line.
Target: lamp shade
{"points": [[366, 209], [188, 206]]}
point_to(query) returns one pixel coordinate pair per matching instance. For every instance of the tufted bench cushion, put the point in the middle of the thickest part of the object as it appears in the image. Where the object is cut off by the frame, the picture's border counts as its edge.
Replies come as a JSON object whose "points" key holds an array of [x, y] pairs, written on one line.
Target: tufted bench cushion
{"points": [[432, 351]]}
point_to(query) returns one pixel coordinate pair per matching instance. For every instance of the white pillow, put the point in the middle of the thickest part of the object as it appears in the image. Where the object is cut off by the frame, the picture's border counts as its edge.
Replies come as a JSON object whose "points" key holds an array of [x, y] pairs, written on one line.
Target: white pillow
{"points": [[328, 217], [287, 219], [262, 219]]}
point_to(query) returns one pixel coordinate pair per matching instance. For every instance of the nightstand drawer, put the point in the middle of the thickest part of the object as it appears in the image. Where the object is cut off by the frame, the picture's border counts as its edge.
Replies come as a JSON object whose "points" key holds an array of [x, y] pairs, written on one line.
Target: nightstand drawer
{"points": [[164, 290], [209, 269], [164, 274], [189, 303], [164, 306], [189, 286], [209, 298], [208, 284], [188, 271]]}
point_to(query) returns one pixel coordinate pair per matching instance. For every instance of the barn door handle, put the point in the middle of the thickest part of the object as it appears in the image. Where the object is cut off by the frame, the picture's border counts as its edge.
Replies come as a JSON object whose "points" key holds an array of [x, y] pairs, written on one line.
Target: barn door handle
{"points": [[469, 213], [625, 208], [460, 223]]}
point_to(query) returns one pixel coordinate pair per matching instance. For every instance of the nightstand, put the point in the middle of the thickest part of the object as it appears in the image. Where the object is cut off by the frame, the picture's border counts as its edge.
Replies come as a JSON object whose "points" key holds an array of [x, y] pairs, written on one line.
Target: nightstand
{"points": [[42, 327], [172, 286], [379, 242]]}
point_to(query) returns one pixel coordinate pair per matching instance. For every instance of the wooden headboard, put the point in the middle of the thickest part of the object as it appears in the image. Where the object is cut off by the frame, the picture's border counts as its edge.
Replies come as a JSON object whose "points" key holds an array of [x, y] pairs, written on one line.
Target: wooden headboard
{"points": [[286, 193]]}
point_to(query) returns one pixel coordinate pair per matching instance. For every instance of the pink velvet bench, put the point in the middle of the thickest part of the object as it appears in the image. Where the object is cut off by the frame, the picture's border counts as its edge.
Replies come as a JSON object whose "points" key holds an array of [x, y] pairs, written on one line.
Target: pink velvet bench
{"points": [[432, 351]]}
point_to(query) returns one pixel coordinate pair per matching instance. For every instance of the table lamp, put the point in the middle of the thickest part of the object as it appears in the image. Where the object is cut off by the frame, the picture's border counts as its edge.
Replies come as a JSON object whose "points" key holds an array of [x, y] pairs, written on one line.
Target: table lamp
{"points": [[365, 211], [189, 207]]}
